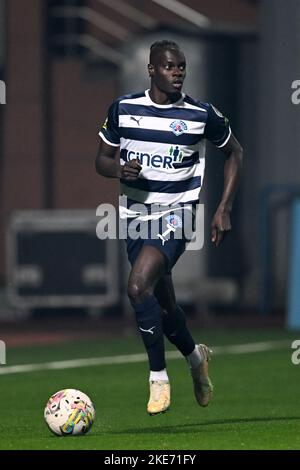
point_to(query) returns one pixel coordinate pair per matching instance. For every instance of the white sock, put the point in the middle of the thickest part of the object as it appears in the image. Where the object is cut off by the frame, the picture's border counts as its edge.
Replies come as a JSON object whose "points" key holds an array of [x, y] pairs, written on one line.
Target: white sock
{"points": [[158, 375], [194, 359]]}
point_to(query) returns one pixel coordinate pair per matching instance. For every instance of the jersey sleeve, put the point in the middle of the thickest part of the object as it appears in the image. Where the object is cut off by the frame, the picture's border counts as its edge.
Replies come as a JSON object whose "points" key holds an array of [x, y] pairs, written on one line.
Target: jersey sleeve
{"points": [[217, 128], [109, 131]]}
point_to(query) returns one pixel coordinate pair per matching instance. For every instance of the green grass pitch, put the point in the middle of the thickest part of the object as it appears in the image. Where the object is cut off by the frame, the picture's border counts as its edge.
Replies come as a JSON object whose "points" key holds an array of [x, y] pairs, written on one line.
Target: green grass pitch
{"points": [[255, 406]]}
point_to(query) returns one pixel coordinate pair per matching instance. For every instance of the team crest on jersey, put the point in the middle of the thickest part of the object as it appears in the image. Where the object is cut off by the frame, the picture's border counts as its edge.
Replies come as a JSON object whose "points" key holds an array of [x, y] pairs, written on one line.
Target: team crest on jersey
{"points": [[178, 127]]}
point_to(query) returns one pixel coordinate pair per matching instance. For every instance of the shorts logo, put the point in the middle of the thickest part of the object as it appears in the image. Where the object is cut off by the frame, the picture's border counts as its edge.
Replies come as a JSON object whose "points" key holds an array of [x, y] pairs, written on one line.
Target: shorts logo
{"points": [[178, 127], [173, 222]]}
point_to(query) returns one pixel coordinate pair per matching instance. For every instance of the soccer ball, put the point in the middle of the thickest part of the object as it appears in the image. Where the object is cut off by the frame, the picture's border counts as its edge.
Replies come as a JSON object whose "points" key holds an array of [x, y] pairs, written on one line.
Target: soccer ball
{"points": [[69, 412]]}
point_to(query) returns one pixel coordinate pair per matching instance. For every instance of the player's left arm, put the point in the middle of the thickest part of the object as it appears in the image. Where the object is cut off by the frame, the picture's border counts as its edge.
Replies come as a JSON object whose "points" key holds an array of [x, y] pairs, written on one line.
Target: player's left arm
{"points": [[232, 172]]}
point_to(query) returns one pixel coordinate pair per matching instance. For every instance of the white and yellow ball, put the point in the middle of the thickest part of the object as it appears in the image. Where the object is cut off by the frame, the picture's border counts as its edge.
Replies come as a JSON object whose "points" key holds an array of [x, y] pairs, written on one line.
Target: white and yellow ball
{"points": [[69, 412]]}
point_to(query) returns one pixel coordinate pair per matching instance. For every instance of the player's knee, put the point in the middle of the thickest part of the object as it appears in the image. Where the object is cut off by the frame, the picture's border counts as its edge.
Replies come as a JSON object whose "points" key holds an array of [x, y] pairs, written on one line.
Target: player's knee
{"points": [[138, 292]]}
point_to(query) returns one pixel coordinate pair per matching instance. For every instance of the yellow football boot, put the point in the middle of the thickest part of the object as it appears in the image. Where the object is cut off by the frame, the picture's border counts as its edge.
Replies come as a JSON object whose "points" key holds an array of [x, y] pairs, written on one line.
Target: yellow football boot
{"points": [[159, 400], [203, 387]]}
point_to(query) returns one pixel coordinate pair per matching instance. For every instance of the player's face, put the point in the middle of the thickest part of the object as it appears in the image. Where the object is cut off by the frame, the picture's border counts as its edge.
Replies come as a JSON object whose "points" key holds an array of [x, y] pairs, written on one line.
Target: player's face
{"points": [[168, 71]]}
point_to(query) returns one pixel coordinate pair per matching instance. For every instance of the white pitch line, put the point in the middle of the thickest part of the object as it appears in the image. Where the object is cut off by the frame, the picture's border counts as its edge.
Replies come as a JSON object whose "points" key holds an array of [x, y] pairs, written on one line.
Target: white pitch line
{"points": [[134, 358]]}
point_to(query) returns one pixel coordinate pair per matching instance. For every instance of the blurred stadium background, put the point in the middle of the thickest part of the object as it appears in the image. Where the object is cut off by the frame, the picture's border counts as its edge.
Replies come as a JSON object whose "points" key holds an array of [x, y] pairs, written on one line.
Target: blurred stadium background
{"points": [[62, 63]]}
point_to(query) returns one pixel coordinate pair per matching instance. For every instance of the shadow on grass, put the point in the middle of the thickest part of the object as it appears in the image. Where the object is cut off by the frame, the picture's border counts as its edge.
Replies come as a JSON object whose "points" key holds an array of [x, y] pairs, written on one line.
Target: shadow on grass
{"points": [[179, 428]]}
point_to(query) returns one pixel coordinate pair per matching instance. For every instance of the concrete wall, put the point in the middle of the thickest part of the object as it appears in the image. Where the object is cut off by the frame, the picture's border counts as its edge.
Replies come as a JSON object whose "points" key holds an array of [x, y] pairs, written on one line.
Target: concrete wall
{"points": [[22, 166], [278, 136], [80, 105]]}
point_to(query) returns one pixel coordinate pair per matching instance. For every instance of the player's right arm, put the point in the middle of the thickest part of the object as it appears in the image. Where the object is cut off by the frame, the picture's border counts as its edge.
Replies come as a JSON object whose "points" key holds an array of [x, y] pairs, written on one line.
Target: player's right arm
{"points": [[107, 160], [107, 164]]}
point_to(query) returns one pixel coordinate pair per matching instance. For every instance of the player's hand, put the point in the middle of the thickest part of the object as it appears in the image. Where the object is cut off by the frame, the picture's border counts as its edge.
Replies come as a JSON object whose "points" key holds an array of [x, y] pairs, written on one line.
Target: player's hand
{"points": [[220, 226], [131, 170]]}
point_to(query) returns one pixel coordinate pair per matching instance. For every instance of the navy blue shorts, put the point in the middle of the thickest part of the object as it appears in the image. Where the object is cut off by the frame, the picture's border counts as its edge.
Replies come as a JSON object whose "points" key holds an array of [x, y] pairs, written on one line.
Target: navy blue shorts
{"points": [[169, 233]]}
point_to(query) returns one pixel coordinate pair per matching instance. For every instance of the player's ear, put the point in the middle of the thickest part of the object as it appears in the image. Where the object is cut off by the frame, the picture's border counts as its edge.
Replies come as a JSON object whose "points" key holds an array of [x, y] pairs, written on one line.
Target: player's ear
{"points": [[150, 70]]}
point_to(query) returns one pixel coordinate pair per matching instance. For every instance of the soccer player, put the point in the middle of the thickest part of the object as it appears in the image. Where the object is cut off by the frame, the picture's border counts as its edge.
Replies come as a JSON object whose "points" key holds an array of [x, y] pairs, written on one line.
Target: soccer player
{"points": [[161, 134]]}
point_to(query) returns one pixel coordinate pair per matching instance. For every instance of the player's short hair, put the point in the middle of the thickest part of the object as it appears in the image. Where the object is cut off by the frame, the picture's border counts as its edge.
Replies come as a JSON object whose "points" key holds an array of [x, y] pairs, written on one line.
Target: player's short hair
{"points": [[159, 46]]}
